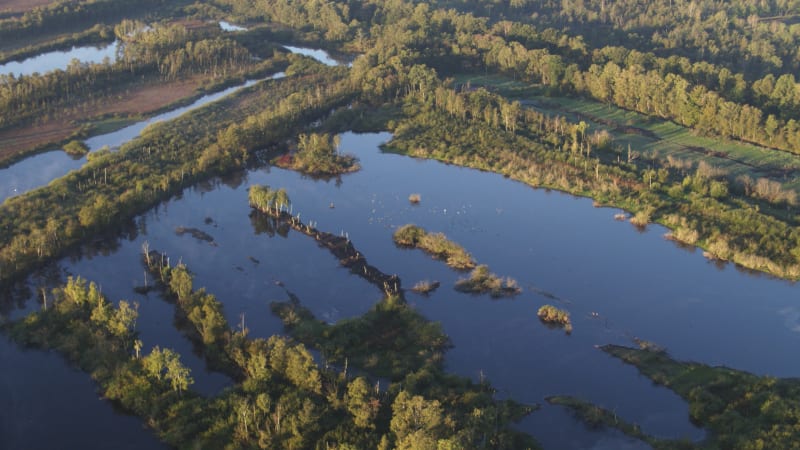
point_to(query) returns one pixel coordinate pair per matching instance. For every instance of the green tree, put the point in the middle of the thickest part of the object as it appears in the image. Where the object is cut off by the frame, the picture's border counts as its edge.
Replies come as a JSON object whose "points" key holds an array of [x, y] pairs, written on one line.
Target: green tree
{"points": [[361, 404]]}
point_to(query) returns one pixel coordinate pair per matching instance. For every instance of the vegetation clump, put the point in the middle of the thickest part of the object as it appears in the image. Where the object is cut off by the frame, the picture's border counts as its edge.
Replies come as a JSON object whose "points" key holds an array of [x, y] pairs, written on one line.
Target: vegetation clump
{"points": [[318, 154], [482, 281], [740, 410], [551, 315], [76, 148], [425, 287], [436, 244]]}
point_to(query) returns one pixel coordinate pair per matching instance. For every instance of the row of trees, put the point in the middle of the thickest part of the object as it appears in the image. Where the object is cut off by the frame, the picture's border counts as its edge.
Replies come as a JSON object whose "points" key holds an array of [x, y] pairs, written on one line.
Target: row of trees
{"points": [[156, 51], [69, 14], [164, 160], [285, 400]]}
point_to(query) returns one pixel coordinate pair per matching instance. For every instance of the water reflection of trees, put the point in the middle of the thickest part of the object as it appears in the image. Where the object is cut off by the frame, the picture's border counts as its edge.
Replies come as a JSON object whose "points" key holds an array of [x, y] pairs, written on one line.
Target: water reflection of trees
{"points": [[265, 224]]}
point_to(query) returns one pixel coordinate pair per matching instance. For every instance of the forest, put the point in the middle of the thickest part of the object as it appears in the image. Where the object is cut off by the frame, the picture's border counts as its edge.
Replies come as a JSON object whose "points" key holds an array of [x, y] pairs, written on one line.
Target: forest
{"points": [[495, 85]]}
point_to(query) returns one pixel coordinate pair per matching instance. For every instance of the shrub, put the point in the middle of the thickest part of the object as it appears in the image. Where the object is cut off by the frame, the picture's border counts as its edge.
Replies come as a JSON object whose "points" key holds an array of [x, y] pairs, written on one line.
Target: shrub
{"points": [[551, 315]]}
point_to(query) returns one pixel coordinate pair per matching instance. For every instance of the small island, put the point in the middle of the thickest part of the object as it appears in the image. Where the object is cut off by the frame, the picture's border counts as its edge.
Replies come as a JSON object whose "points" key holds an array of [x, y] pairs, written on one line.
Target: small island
{"points": [[318, 155], [76, 148], [436, 244], [549, 314], [482, 281]]}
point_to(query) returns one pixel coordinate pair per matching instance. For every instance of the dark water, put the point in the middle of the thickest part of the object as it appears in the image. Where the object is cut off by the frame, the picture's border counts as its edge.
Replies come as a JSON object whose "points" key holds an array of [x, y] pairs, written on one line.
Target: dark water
{"points": [[559, 248], [50, 61], [46, 405]]}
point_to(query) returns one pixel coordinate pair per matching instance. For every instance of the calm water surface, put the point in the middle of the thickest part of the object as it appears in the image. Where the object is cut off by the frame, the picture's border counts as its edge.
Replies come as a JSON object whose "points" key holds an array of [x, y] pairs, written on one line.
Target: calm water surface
{"points": [[47, 62], [639, 284], [45, 405], [41, 169]]}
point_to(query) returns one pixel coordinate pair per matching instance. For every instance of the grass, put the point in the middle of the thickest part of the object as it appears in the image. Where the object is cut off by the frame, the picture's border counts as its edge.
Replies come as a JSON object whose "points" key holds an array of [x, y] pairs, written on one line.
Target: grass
{"points": [[741, 410], [651, 137], [482, 281], [425, 287], [549, 314], [111, 124], [436, 244]]}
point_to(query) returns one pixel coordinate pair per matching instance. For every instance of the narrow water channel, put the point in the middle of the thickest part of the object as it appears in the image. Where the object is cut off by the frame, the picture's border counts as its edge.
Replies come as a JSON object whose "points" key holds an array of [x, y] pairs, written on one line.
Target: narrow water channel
{"points": [[39, 170]]}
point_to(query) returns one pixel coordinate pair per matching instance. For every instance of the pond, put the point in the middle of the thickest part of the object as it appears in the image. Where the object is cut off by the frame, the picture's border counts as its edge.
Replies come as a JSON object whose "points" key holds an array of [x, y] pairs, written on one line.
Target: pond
{"points": [[559, 248], [60, 59]]}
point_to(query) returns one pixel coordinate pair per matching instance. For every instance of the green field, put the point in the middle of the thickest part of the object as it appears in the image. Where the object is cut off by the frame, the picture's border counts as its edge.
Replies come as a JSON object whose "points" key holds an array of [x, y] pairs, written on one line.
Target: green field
{"points": [[652, 138]]}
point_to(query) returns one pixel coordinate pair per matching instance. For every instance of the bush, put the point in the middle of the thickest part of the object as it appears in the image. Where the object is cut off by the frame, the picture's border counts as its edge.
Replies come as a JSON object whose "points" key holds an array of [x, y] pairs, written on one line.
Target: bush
{"points": [[551, 315]]}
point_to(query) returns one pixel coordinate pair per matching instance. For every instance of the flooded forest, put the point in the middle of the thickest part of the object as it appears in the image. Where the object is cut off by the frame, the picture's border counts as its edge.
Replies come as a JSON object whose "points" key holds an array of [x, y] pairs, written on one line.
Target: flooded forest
{"points": [[362, 224]]}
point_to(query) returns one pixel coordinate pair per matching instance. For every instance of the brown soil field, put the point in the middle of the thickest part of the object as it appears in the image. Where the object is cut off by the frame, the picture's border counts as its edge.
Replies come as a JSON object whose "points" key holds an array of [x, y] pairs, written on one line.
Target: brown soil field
{"points": [[139, 101], [20, 6]]}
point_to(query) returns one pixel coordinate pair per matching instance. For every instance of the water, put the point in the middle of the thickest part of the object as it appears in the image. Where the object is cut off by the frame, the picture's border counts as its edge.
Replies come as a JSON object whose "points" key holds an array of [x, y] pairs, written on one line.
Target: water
{"points": [[41, 169], [227, 26], [639, 284], [320, 55], [46, 405], [47, 62]]}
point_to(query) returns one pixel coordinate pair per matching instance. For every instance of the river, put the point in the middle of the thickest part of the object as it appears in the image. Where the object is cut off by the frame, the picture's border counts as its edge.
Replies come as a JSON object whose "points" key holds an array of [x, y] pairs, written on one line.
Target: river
{"points": [[39, 170]]}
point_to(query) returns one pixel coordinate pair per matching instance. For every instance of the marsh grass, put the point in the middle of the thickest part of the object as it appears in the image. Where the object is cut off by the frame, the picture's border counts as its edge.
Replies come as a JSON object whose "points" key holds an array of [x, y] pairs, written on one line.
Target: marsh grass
{"points": [[436, 244], [549, 314], [482, 281]]}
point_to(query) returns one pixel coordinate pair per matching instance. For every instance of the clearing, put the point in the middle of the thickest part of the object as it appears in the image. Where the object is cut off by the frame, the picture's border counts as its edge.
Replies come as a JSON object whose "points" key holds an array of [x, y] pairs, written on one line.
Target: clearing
{"points": [[21, 6], [133, 103]]}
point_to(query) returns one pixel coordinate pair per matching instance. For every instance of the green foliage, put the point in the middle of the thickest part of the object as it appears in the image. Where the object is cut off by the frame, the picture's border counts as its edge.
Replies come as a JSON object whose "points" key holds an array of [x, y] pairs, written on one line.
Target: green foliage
{"points": [[76, 148], [166, 159], [552, 315], [482, 281], [266, 200], [436, 244], [390, 340], [741, 410], [318, 154]]}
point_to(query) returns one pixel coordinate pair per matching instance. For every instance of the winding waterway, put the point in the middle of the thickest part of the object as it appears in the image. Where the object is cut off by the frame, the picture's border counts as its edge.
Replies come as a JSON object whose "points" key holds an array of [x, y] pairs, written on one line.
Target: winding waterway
{"points": [[617, 283], [560, 249], [38, 170]]}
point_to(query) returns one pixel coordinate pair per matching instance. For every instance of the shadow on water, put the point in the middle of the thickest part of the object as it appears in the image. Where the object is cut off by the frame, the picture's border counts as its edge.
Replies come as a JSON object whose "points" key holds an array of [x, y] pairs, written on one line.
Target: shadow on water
{"points": [[619, 283]]}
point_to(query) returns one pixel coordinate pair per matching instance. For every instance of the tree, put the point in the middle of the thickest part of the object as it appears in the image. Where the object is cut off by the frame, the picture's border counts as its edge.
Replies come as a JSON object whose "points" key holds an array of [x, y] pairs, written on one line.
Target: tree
{"points": [[415, 421], [178, 375], [361, 404]]}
